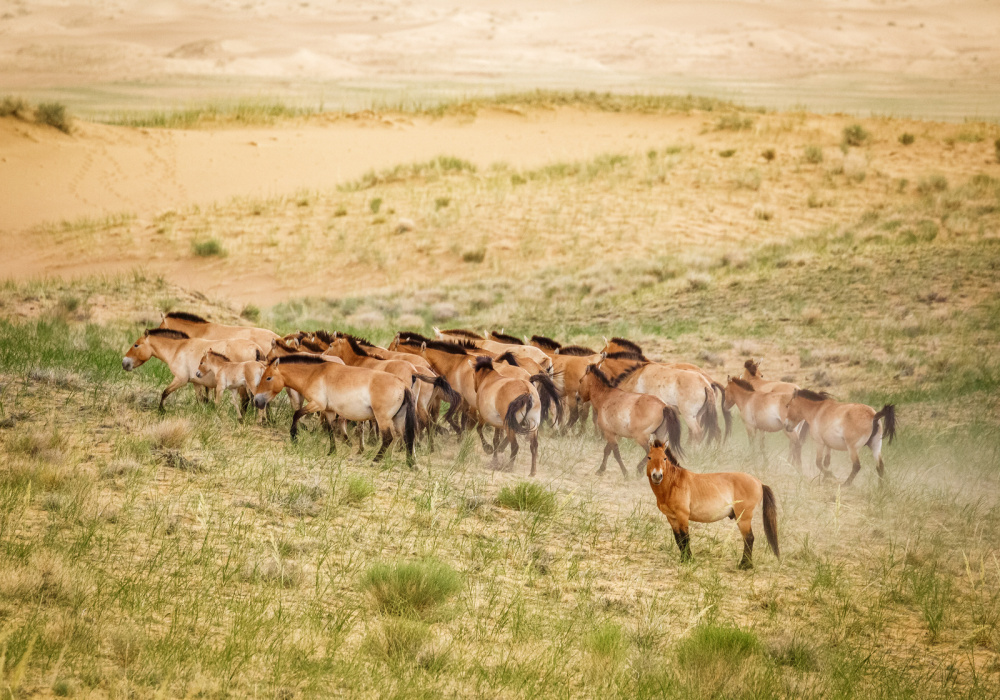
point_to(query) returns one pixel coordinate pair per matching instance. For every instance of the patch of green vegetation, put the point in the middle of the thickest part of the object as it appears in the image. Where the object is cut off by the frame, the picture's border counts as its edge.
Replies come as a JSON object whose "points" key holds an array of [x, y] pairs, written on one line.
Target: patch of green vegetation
{"points": [[410, 589], [734, 122], [813, 154], [428, 171], [711, 644], [241, 113], [527, 496], [855, 135], [907, 138], [208, 248]]}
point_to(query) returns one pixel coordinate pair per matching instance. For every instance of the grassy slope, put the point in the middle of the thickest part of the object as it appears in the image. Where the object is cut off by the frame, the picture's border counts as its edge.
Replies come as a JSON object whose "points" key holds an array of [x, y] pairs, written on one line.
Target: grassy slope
{"points": [[190, 554]]}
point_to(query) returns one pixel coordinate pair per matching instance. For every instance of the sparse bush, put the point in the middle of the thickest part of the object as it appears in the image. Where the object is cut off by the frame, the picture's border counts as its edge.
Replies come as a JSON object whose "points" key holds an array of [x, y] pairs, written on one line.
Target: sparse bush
{"points": [[375, 204], [711, 644], [907, 138], [728, 153], [211, 247], [358, 490], [410, 589], [251, 312], [932, 183], [441, 203], [341, 210], [813, 154], [769, 154], [528, 496], [14, 107], [53, 114], [733, 122], [397, 639], [855, 135], [474, 255], [996, 149], [750, 180], [606, 640]]}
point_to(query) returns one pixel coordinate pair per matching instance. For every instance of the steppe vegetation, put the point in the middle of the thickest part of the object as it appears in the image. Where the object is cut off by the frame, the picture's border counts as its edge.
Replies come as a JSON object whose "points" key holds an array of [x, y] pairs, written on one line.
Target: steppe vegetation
{"points": [[191, 554]]}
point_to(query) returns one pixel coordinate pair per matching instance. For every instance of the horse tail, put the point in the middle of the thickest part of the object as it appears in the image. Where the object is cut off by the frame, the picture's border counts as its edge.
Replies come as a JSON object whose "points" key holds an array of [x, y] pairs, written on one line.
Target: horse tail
{"points": [[771, 520], [441, 384], [708, 418], [671, 425], [260, 355], [409, 424], [548, 394], [727, 417], [510, 421], [889, 413]]}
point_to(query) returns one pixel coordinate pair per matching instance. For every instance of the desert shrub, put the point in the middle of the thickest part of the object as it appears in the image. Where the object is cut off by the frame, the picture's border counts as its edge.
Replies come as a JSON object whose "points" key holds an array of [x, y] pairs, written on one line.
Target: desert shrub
{"points": [[375, 204], [813, 154], [855, 135], [251, 312], [932, 183], [211, 247], [709, 644], [728, 153], [907, 138], [527, 496], [769, 154], [14, 107], [397, 639], [996, 149], [733, 122], [53, 114], [410, 589], [474, 255], [358, 489]]}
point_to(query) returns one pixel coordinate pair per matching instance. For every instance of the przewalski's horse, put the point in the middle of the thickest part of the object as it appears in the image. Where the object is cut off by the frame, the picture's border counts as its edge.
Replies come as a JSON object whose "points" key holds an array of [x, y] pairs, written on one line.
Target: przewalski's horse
{"points": [[511, 406], [511, 367], [623, 345], [689, 392], [752, 375], [197, 327], [352, 352], [377, 351], [241, 378], [569, 364], [685, 496], [842, 426], [618, 413], [497, 347], [182, 355], [763, 412], [352, 393]]}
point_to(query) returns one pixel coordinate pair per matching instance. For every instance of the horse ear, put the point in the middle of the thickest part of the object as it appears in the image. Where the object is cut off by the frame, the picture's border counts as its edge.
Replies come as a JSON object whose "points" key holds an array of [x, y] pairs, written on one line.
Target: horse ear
{"points": [[605, 339], [604, 355], [423, 347], [145, 333], [658, 444]]}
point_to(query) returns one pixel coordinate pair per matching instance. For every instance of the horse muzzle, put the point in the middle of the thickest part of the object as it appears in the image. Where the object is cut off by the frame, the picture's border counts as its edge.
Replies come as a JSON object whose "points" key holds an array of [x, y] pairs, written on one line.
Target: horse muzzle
{"points": [[260, 400], [656, 478], [198, 374], [127, 364]]}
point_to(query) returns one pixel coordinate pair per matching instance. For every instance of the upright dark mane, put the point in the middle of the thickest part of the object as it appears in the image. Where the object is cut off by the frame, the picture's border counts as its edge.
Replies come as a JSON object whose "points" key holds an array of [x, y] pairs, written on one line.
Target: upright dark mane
{"points": [[356, 346], [812, 395], [464, 333], [311, 345], [628, 344], [363, 342], [325, 336], [575, 351], [626, 374], [546, 343], [282, 343], [623, 355], [752, 367], [509, 358], [608, 381], [219, 355], [667, 453], [508, 339], [742, 383], [168, 333], [444, 346], [411, 338], [601, 376], [185, 316], [303, 359], [483, 362]]}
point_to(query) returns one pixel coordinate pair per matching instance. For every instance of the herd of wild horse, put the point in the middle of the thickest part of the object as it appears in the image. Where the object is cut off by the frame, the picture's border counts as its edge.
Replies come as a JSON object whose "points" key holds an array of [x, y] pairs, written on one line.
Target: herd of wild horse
{"points": [[515, 386]]}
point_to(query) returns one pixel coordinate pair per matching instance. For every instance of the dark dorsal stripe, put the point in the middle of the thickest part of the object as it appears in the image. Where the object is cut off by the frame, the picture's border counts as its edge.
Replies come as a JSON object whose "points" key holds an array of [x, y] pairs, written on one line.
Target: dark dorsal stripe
{"points": [[356, 346], [742, 383], [509, 358], [303, 359], [219, 355], [508, 339], [411, 338], [812, 395], [168, 333], [575, 351], [623, 355], [443, 346], [547, 343], [185, 316], [464, 333]]}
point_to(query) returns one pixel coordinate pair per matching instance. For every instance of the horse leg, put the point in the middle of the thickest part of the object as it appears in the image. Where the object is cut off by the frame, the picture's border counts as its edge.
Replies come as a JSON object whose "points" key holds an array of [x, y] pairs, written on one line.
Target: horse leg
{"points": [[876, 447], [604, 462], [482, 438], [514, 448], [823, 467], [618, 458], [386, 441], [573, 412], [534, 451], [583, 413], [855, 464], [171, 388], [328, 425], [746, 529]]}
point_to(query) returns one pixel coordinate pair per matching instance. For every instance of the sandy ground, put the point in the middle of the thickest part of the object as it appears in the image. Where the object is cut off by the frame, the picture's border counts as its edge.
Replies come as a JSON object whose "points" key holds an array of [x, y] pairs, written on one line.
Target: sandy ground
{"points": [[932, 57]]}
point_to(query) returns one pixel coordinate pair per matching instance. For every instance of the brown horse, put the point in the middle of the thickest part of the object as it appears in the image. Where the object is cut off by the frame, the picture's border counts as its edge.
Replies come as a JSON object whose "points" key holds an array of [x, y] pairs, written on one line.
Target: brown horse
{"points": [[622, 345], [197, 327], [842, 426], [349, 349], [763, 412], [497, 347], [352, 393], [569, 365], [689, 392], [752, 374], [512, 406], [241, 378], [685, 496], [182, 355], [618, 413]]}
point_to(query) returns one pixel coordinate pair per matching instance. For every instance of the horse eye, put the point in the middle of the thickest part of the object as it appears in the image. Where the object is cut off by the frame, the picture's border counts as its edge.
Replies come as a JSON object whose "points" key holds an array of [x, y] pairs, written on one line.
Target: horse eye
{"points": [[136, 345], [270, 378]]}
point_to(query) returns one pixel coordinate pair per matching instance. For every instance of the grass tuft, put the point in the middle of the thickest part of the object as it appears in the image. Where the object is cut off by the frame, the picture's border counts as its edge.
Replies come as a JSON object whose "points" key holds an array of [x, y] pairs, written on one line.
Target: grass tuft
{"points": [[907, 138], [855, 135], [53, 114], [527, 496], [209, 248], [711, 644], [410, 589]]}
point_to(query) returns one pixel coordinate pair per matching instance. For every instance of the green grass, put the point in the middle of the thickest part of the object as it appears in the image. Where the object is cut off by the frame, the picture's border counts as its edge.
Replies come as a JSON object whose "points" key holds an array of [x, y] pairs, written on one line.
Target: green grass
{"points": [[53, 114], [855, 135], [410, 589], [527, 496], [712, 644], [208, 248]]}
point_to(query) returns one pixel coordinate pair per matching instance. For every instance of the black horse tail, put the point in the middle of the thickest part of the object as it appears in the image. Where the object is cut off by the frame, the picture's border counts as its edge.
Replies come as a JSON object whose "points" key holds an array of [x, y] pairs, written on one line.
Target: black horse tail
{"points": [[771, 520], [548, 394], [670, 427], [889, 413], [521, 403], [448, 393], [708, 418], [409, 425], [727, 417]]}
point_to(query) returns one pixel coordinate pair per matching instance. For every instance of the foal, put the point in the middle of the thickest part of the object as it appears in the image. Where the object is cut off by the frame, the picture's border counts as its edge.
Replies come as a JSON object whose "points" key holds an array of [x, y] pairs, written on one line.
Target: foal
{"points": [[241, 378], [763, 412], [685, 496]]}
